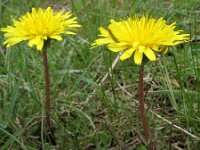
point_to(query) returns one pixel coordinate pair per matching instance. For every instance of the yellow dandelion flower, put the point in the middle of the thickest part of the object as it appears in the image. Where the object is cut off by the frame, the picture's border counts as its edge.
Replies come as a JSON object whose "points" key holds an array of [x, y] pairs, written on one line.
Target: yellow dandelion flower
{"points": [[38, 26], [138, 36]]}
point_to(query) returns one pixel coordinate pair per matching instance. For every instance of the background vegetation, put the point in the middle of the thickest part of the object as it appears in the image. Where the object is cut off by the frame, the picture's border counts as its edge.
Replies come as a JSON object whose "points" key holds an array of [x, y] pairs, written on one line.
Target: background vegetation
{"points": [[91, 114]]}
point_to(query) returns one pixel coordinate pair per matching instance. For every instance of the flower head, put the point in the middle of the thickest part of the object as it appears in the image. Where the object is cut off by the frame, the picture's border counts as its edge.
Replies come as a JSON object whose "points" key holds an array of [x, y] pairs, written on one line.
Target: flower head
{"points": [[39, 25], [138, 36]]}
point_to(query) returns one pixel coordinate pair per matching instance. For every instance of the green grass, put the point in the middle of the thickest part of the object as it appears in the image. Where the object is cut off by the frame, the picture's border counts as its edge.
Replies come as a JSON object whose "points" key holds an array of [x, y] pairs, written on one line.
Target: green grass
{"points": [[108, 117]]}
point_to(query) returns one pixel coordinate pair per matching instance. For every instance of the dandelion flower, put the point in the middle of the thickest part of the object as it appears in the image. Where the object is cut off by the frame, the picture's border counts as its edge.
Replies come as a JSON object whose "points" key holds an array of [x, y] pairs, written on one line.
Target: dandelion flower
{"points": [[38, 26], [140, 36]]}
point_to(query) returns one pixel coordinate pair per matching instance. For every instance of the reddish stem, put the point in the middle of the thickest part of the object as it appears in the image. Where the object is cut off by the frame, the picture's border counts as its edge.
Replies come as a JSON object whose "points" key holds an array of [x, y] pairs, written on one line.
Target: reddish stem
{"points": [[50, 131], [47, 86], [143, 116]]}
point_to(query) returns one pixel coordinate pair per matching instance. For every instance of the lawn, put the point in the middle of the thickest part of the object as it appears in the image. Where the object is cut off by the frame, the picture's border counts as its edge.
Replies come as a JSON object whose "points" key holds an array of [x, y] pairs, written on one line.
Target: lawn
{"points": [[94, 94]]}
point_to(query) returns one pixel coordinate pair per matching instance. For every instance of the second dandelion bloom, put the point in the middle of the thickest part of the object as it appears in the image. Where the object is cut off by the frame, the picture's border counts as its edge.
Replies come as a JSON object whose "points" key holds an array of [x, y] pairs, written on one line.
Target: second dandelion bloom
{"points": [[38, 26], [140, 36]]}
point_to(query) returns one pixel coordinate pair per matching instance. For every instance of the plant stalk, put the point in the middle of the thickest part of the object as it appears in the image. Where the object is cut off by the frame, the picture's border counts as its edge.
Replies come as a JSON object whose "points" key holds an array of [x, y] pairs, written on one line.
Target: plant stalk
{"points": [[142, 112], [47, 86], [50, 129]]}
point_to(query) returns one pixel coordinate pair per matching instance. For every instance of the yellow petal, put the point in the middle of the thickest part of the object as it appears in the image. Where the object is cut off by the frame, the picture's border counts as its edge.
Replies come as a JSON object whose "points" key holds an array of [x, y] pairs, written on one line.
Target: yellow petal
{"points": [[102, 41], [116, 47], [155, 48], [127, 54], [40, 45], [33, 41], [150, 54], [141, 49], [138, 56], [69, 32], [57, 37], [135, 44], [164, 50], [104, 32], [38, 41]]}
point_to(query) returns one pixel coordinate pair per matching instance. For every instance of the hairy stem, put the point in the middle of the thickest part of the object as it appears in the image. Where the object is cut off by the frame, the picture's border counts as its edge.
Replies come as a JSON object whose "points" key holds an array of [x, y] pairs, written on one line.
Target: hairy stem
{"points": [[50, 129], [142, 112], [47, 86]]}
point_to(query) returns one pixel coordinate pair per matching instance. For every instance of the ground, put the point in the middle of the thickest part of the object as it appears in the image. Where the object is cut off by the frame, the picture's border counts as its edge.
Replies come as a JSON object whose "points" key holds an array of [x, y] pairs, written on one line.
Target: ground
{"points": [[94, 106]]}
